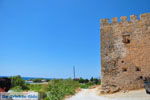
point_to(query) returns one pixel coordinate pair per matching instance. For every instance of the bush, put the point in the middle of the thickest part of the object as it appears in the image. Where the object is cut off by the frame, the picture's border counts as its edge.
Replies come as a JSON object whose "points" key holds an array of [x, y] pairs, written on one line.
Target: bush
{"points": [[35, 87], [17, 89], [86, 85], [17, 81], [58, 89], [95, 80], [40, 88], [37, 80], [81, 80]]}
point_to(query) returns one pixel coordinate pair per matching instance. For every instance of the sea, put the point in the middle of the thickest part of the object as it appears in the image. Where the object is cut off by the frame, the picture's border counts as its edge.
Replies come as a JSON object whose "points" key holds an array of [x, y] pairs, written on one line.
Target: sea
{"points": [[29, 78]]}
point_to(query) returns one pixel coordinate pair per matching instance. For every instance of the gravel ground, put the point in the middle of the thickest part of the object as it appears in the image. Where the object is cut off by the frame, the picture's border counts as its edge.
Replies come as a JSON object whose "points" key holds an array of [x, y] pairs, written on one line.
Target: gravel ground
{"points": [[92, 94]]}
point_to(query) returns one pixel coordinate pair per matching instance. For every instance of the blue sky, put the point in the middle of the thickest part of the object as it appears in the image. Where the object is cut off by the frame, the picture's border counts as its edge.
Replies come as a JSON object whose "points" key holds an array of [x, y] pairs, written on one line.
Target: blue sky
{"points": [[46, 38]]}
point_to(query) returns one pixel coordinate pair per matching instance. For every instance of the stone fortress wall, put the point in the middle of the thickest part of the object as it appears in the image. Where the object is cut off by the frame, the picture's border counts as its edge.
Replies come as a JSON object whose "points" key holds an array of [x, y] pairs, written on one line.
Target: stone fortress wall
{"points": [[125, 52]]}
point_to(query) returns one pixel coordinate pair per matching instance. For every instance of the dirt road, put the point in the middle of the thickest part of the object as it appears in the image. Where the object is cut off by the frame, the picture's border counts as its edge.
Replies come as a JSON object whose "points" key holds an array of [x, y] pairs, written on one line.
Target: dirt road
{"points": [[92, 94]]}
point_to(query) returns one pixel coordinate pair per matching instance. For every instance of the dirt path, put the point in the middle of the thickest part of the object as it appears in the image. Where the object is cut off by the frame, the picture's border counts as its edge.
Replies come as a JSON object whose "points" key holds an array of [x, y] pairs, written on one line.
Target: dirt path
{"points": [[92, 94]]}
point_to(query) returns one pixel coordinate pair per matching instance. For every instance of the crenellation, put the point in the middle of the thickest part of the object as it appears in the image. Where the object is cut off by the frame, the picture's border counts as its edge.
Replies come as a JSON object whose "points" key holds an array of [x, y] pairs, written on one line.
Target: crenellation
{"points": [[124, 22], [104, 21], [145, 16], [115, 20], [133, 18], [123, 18]]}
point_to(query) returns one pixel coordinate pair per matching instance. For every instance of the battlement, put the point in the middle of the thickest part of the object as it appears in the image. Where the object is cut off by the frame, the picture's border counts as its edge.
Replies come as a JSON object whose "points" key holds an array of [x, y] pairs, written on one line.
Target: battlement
{"points": [[133, 18]]}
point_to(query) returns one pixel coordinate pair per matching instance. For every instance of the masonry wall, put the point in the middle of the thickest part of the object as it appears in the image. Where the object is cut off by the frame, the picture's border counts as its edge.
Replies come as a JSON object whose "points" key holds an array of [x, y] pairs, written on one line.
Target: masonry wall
{"points": [[125, 52]]}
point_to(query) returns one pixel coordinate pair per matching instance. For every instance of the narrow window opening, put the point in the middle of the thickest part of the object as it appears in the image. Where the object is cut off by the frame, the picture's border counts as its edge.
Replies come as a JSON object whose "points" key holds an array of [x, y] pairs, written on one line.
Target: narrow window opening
{"points": [[138, 69], [124, 69], [141, 77], [126, 39]]}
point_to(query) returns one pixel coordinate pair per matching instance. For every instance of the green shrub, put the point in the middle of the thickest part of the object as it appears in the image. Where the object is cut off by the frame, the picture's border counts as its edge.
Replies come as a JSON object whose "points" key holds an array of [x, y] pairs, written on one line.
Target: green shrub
{"points": [[37, 80], [17, 89], [58, 89], [40, 88], [86, 85], [35, 87], [18, 81], [81, 80], [96, 81]]}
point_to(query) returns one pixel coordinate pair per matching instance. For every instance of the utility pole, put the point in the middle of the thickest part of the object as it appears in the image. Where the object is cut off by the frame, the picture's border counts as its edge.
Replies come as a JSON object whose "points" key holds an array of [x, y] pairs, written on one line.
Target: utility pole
{"points": [[74, 72]]}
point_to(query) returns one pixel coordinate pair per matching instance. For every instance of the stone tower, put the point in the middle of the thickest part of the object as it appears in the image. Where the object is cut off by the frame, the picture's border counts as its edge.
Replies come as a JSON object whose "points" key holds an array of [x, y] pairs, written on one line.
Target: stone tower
{"points": [[125, 52]]}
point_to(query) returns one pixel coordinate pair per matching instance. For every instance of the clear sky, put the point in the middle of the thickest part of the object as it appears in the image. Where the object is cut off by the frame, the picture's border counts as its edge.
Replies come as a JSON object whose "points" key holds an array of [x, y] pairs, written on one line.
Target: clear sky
{"points": [[46, 38]]}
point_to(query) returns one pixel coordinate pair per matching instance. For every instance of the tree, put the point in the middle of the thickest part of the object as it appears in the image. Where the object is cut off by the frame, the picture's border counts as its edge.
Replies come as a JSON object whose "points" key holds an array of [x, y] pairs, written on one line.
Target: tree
{"points": [[86, 81], [81, 80], [18, 81], [91, 79]]}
